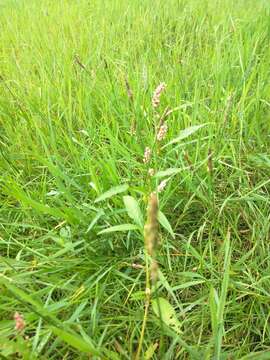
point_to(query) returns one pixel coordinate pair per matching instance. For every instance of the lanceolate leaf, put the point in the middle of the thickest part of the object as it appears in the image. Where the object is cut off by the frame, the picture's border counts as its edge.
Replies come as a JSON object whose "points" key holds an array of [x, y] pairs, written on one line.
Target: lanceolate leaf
{"points": [[167, 172], [165, 223], [133, 210], [164, 310], [185, 133], [123, 227]]}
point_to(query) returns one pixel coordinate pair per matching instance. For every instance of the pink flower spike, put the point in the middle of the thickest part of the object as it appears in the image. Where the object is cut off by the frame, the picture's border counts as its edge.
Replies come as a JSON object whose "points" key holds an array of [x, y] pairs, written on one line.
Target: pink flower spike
{"points": [[19, 322], [162, 132], [147, 155], [162, 185], [157, 93]]}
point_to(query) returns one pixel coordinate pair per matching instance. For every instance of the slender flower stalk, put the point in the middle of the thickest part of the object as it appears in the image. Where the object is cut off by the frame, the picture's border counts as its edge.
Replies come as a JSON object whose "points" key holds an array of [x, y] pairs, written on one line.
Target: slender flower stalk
{"points": [[210, 162], [129, 91], [131, 105], [151, 266]]}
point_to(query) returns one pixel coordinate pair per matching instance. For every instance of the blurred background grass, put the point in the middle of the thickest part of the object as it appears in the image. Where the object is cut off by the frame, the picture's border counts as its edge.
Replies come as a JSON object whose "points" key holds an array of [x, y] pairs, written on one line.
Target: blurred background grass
{"points": [[65, 139]]}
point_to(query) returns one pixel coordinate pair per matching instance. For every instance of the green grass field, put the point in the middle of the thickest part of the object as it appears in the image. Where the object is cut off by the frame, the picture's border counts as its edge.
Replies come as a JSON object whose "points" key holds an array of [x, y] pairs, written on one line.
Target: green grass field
{"points": [[77, 79]]}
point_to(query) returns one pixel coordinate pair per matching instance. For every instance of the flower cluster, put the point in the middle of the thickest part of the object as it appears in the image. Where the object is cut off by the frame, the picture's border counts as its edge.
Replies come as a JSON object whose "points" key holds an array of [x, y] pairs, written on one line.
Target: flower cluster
{"points": [[162, 186], [157, 93], [162, 132], [19, 322], [147, 155]]}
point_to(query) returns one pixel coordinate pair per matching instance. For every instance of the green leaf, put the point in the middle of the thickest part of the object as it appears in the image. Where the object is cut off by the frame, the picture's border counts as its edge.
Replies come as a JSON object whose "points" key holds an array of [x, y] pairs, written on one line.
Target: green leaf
{"points": [[164, 310], [123, 227], [138, 295], [213, 305], [133, 210], [21, 196], [185, 133], [165, 223], [222, 299], [167, 172], [16, 349], [113, 191], [260, 355], [112, 355], [75, 341], [23, 297], [95, 220], [65, 232], [150, 351], [188, 284]]}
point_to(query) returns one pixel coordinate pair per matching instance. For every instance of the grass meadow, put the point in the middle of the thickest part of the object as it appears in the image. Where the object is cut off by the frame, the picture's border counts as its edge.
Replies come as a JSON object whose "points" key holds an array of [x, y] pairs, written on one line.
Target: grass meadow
{"points": [[134, 179]]}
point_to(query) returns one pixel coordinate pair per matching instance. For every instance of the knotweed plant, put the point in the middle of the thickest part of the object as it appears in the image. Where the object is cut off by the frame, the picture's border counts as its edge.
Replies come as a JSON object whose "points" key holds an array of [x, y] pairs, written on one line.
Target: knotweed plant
{"points": [[151, 234], [153, 154]]}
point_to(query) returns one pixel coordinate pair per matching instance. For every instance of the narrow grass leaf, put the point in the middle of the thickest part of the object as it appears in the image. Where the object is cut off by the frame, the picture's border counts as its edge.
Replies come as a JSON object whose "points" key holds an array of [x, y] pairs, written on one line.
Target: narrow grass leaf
{"points": [[188, 284], [112, 192], [20, 195], [222, 300], [75, 341], [36, 306], [95, 220], [213, 310]]}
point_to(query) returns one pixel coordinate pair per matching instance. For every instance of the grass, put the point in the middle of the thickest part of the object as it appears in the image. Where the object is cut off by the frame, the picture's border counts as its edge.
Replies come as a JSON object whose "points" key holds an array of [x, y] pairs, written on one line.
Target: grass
{"points": [[74, 187]]}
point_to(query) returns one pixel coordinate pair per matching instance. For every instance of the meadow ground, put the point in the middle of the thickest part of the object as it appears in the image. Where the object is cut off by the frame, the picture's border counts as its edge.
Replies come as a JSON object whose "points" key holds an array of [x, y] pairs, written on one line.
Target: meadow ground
{"points": [[77, 113]]}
